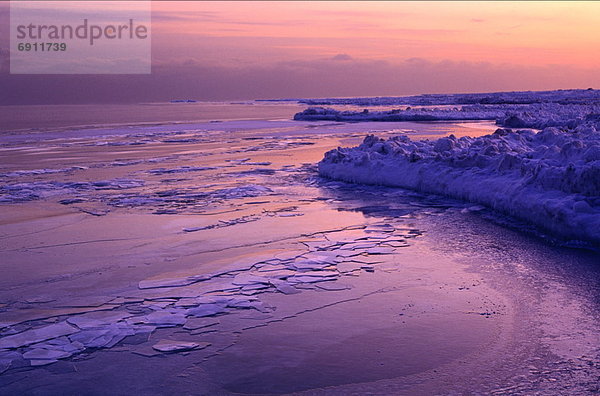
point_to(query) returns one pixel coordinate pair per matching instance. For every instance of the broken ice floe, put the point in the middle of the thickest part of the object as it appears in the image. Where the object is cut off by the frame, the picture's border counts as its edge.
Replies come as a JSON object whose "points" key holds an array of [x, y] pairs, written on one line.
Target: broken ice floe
{"points": [[176, 200], [204, 310], [44, 171], [22, 192], [97, 319], [37, 335], [181, 169], [164, 318], [103, 337], [42, 357], [196, 303]]}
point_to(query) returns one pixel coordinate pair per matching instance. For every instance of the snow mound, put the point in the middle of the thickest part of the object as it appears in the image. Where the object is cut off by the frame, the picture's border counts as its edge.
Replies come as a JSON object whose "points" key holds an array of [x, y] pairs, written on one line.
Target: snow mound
{"points": [[550, 178]]}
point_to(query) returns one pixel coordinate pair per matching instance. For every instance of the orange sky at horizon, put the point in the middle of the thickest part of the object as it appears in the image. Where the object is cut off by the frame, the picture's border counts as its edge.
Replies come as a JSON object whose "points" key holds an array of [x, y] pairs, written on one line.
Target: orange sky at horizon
{"points": [[238, 50], [519, 33]]}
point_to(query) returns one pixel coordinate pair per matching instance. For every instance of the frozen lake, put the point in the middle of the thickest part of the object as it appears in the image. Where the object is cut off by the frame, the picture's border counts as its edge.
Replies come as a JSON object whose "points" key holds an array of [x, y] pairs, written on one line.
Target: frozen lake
{"points": [[209, 257]]}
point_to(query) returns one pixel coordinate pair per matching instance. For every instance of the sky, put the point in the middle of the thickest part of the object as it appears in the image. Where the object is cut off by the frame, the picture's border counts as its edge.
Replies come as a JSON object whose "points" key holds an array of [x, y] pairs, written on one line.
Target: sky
{"points": [[210, 50]]}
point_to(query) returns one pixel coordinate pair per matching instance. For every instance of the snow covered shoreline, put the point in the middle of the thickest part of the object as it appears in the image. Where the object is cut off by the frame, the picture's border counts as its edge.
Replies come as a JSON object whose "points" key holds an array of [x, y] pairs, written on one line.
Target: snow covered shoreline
{"points": [[422, 114], [551, 179], [536, 116], [563, 108]]}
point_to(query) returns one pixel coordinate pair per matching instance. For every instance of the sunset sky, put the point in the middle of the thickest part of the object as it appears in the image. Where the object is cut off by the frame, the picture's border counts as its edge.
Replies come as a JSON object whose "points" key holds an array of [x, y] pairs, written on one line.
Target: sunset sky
{"points": [[246, 50]]}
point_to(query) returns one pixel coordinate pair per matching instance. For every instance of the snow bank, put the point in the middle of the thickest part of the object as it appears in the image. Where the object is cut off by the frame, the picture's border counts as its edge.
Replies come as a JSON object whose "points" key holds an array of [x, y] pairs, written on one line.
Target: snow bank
{"points": [[536, 115], [539, 110], [551, 178], [421, 114]]}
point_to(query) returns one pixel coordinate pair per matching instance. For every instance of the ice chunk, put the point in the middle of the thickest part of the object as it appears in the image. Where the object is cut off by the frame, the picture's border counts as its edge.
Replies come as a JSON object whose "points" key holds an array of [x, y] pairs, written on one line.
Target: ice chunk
{"points": [[278, 273], [37, 335], [348, 266], [289, 255], [255, 287], [97, 319], [179, 346], [104, 337], [243, 279], [315, 260], [290, 214], [342, 253], [310, 265], [7, 358], [313, 276], [164, 319], [284, 287], [359, 246], [45, 354], [248, 303], [207, 310]]}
